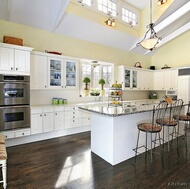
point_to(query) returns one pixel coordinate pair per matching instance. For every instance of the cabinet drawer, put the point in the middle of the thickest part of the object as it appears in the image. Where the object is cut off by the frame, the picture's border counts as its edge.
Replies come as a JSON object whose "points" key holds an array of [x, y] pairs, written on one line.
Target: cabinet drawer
{"points": [[75, 114], [47, 110], [9, 134], [86, 121], [71, 108], [36, 110], [22, 133]]}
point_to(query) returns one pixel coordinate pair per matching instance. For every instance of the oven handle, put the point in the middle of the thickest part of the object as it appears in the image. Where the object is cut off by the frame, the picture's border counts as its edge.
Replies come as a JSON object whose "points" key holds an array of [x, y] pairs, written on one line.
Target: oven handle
{"points": [[13, 82], [22, 106]]}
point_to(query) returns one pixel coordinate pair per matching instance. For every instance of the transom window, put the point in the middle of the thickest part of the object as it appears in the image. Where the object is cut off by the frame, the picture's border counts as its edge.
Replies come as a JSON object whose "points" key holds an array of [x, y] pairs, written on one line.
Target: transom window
{"points": [[86, 2], [108, 7], [129, 17]]}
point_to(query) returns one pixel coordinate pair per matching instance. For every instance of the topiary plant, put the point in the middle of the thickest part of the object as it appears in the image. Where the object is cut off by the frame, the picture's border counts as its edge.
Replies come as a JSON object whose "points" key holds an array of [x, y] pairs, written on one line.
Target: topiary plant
{"points": [[102, 82], [86, 80]]}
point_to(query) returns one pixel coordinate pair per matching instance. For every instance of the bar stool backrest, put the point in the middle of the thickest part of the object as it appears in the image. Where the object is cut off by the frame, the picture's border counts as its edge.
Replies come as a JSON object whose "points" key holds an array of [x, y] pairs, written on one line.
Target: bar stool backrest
{"points": [[159, 113], [175, 110]]}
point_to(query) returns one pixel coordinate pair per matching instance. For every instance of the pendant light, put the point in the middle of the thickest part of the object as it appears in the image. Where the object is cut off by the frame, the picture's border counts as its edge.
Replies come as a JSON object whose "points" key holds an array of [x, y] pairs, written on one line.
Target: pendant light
{"points": [[150, 40]]}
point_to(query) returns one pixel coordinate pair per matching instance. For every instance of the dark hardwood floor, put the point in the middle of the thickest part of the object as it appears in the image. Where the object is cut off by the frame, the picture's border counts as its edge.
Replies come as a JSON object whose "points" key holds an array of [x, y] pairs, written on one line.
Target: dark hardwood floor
{"points": [[68, 163]]}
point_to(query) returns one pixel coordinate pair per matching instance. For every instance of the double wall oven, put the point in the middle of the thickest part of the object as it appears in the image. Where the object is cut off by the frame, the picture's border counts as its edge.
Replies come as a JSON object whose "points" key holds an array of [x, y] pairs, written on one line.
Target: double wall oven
{"points": [[14, 102]]}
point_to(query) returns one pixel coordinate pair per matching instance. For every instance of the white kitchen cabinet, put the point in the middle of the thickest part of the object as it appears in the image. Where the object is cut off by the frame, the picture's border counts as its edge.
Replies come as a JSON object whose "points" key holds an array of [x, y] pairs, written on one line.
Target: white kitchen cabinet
{"points": [[14, 59], [38, 69], [55, 73], [159, 80], [72, 117], [59, 118], [135, 78], [128, 77], [36, 121], [50, 71], [6, 59], [171, 79], [71, 74], [48, 122], [148, 80], [42, 120], [16, 133], [166, 79]]}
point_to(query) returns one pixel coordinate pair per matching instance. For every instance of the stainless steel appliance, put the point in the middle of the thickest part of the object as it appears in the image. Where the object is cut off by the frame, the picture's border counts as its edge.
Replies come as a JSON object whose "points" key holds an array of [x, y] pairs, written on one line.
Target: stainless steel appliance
{"points": [[14, 117], [172, 94], [14, 90], [14, 102]]}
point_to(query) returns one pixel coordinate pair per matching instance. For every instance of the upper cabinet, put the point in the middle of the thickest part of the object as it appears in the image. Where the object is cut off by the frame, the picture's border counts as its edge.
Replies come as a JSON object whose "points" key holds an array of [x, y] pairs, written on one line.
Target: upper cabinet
{"points": [[53, 71], [135, 78], [166, 79], [14, 59]]}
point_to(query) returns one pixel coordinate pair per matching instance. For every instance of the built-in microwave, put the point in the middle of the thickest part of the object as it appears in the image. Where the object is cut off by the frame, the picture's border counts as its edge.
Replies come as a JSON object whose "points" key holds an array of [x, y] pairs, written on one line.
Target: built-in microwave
{"points": [[171, 92]]}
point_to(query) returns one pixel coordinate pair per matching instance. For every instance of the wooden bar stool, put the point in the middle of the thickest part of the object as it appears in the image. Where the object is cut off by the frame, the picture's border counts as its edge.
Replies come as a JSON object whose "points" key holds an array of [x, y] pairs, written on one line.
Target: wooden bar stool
{"points": [[3, 160], [152, 128]]}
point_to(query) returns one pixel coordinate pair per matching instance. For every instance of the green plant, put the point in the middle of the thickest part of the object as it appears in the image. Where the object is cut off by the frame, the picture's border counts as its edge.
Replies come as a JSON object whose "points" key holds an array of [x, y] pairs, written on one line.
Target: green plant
{"points": [[102, 82], [86, 80]]}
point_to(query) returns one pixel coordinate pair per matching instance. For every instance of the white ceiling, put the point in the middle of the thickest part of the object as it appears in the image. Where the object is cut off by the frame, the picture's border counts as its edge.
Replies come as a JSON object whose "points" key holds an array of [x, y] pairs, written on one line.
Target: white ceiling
{"points": [[50, 15]]}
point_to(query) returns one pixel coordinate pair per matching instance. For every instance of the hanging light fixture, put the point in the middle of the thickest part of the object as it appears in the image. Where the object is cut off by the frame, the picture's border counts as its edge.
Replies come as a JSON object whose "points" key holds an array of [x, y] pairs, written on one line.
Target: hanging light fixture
{"points": [[110, 22], [161, 2], [150, 40]]}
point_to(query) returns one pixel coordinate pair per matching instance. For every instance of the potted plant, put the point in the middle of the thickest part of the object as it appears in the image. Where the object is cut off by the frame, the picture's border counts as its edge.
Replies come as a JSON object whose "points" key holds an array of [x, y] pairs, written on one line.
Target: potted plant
{"points": [[86, 80], [102, 82]]}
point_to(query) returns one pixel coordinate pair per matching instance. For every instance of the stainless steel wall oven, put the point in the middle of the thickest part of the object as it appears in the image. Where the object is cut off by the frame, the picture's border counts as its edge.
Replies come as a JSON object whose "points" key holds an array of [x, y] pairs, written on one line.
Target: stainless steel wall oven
{"points": [[14, 102]]}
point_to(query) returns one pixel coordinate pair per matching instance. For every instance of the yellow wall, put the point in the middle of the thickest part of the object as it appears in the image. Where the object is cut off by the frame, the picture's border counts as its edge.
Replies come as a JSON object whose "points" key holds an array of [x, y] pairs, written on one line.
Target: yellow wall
{"points": [[176, 53], [42, 40]]}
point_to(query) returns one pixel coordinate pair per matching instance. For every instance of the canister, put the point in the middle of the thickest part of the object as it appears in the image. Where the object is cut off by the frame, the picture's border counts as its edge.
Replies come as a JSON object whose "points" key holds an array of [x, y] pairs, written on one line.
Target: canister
{"points": [[65, 101], [55, 101], [61, 101]]}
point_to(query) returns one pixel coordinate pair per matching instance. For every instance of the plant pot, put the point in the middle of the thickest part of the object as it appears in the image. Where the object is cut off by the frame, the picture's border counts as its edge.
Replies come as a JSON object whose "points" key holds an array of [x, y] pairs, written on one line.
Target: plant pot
{"points": [[86, 92], [102, 92]]}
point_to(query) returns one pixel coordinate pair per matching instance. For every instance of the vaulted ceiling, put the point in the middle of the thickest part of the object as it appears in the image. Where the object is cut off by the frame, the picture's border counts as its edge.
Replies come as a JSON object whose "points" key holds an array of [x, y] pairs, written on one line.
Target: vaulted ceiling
{"points": [[51, 15]]}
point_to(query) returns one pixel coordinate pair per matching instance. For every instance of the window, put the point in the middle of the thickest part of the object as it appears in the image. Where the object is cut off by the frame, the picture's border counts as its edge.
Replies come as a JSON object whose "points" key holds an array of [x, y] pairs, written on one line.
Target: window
{"points": [[86, 2], [95, 73], [108, 7], [129, 17]]}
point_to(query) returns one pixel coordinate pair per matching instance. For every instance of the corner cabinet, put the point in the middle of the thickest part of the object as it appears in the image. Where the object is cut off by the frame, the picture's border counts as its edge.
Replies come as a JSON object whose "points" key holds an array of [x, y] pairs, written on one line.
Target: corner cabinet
{"points": [[50, 71], [128, 76], [135, 78], [14, 59]]}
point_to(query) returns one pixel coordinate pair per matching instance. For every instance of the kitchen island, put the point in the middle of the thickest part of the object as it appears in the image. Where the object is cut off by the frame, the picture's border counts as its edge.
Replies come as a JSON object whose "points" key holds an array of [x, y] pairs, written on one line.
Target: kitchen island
{"points": [[114, 130]]}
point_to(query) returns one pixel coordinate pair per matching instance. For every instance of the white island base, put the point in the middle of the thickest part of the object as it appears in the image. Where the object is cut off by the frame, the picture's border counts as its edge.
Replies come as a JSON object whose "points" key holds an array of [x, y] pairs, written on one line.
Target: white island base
{"points": [[114, 138]]}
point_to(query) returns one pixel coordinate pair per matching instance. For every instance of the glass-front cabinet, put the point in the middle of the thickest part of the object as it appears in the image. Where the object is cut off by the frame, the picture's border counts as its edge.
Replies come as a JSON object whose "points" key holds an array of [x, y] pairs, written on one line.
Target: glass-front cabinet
{"points": [[130, 81], [55, 72], [71, 74], [128, 77]]}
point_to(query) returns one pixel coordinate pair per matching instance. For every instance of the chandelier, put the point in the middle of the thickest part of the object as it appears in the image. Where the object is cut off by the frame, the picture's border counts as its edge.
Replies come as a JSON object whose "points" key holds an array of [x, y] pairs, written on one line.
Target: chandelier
{"points": [[150, 40]]}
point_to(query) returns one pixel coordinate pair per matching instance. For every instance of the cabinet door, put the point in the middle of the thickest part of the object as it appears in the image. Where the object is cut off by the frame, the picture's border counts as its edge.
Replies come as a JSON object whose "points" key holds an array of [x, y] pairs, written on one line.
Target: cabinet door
{"points": [[36, 123], [22, 61], [48, 122], [134, 80], [6, 59], [71, 74], [127, 81], [147, 79], [174, 79], [59, 120], [38, 74], [167, 79], [55, 72], [159, 80]]}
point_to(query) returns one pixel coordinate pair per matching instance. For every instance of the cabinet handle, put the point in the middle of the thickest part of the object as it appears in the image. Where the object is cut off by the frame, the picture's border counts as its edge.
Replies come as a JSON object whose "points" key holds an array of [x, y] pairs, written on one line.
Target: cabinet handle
{"points": [[55, 113], [45, 86], [41, 115], [44, 114], [22, 133], [11, 68], [16, 68]]}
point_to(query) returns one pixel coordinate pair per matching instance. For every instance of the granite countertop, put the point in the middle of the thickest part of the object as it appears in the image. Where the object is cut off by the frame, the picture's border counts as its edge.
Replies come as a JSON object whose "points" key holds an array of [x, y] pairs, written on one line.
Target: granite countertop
{"points": [[119, 110]]}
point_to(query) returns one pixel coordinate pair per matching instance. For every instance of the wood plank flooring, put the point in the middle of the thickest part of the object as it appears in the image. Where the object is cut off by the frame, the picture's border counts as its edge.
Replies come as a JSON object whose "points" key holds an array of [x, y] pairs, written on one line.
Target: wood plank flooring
{"points": [[68, 163]]}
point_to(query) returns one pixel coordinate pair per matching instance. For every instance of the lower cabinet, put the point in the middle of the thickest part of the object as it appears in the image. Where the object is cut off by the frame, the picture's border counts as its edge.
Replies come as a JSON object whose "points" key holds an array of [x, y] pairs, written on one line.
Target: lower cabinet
{"points": [[42, 120], [16, 133]]}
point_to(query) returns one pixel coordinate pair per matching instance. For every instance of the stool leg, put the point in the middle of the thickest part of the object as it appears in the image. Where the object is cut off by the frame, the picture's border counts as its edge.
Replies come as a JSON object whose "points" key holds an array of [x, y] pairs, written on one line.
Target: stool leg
{"points": [[4, 174], [161, 150], [136, 147], [146, 147]]}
